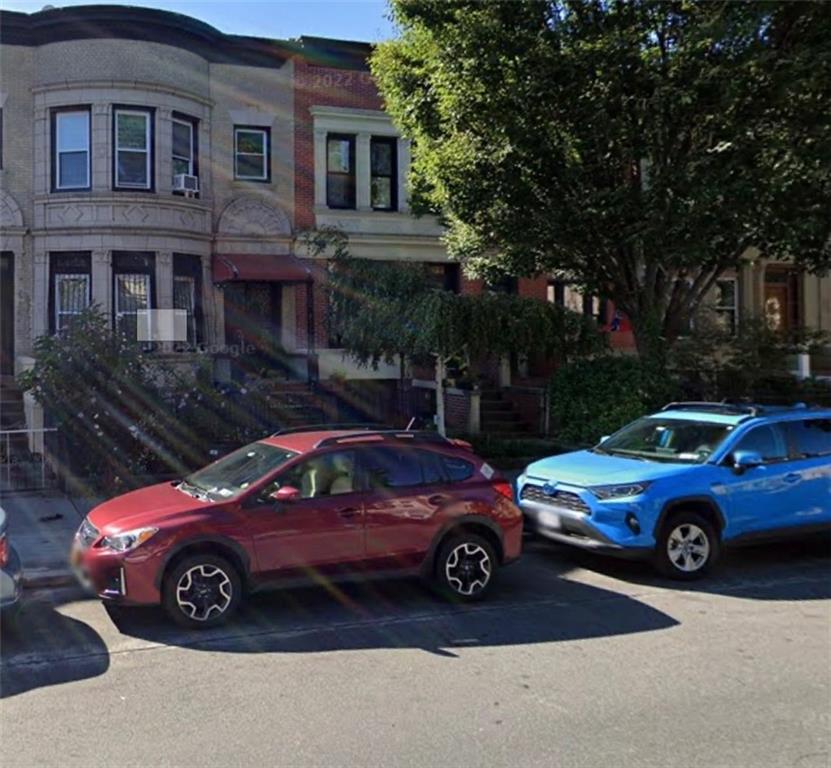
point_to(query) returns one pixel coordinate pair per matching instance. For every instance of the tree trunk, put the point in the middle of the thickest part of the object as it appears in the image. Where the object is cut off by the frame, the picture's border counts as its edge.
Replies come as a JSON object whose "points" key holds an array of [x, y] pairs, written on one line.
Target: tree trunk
{"points": [[441, 372]]}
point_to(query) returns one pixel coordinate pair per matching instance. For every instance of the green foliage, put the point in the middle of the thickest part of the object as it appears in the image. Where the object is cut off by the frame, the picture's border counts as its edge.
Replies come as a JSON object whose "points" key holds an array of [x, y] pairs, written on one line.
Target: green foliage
{"points": [[383, 309], [592, 398], [98, 389], [638, 147], [756, 363], [123, 415]]}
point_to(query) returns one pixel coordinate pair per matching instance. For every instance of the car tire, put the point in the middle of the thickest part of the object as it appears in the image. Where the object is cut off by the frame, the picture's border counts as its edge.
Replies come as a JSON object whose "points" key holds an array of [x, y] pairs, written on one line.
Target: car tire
{"points": [[687, 546], [202, 591], [465, 567]]}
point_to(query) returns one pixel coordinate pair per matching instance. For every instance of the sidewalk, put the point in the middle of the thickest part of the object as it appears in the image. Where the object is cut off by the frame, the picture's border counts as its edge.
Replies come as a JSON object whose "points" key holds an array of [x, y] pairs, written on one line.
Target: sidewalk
{"points": [[41, 527]]}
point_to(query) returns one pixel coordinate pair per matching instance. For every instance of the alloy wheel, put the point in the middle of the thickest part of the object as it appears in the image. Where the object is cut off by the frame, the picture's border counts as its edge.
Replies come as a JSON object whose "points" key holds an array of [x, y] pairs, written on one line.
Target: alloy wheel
{"points": [[204, 591], [688, 548], [468, 569]]}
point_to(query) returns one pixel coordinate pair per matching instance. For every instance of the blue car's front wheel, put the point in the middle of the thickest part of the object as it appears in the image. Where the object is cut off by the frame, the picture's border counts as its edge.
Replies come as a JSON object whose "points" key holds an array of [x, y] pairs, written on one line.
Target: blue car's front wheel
{"points": [[687, 546]]}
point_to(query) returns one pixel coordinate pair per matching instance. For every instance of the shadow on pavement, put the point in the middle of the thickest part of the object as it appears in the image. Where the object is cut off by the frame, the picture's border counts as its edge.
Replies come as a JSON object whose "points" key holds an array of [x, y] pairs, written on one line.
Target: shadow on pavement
{"points": [[797, 569], [43, 647], [527, 606]]}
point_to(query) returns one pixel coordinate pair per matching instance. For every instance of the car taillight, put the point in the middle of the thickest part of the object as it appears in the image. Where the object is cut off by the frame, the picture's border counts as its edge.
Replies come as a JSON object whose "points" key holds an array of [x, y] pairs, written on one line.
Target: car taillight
{"points": [[503, 488], [4, 551]]}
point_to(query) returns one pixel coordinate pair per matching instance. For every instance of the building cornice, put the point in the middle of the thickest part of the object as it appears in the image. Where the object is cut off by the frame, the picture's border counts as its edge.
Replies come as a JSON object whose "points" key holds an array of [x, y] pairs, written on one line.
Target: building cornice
{"points": [[121, 22], [137, 85]]}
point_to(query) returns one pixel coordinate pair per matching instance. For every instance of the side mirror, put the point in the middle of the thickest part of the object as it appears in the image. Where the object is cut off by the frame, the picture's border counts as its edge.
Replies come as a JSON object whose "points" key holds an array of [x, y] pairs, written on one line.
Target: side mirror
{"points": [[285, 494], [604, 438], [744, 460]]}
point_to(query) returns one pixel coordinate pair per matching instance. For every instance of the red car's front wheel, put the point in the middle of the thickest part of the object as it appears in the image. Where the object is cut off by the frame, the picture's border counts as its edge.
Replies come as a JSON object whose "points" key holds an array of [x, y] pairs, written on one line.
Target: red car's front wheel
{"points": [[202, 591]]}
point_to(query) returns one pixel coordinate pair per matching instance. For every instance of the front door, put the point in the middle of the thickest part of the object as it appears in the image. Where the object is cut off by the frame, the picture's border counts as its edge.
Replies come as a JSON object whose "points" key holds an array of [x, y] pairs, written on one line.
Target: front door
{"points": [[323, 529], [763, 498], [6, 314], [252, 325], [782, 310]]}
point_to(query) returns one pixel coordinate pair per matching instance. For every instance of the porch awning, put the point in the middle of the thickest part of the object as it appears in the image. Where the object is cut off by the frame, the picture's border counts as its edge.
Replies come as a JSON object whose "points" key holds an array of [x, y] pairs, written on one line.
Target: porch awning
{"points": [[261, 268]]}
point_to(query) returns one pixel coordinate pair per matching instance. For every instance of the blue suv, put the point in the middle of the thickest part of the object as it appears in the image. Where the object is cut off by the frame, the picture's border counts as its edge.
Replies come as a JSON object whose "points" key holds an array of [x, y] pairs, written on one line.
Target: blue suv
{"points": [[677, 485]]}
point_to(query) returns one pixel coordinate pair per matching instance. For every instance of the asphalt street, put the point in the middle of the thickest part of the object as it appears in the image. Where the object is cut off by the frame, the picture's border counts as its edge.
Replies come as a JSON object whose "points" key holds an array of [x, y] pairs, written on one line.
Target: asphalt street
{"points": [[574, 661]]}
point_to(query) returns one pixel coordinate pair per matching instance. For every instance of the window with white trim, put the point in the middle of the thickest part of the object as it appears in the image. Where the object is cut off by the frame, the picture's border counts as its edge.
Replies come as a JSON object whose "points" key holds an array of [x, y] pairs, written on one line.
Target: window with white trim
{"points": [[133, 149], [71, 298], [251, 154], [183, 147], [340, 170], [133, 292], [71, 151], [727, 303], [132, 298]]}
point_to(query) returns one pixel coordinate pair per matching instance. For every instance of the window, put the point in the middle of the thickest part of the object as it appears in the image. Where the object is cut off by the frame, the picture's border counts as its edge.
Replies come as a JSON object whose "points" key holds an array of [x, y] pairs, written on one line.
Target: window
{"points": [[727, 303], [1, 139], [71, 155], [187, 291], [768, 441], [251, 150], [503, 284], [133, 293], [69, 289], [185, 132], [445, 277], [340, 171], [391, 468], [330, 474], [811, 438], [383, 170], [456, 469], [567, 295], [133, 142]]}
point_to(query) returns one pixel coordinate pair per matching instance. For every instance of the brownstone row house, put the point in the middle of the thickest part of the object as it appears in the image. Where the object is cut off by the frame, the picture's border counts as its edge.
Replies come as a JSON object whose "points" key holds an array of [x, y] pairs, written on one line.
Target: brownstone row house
{"points": [[149, 161]]}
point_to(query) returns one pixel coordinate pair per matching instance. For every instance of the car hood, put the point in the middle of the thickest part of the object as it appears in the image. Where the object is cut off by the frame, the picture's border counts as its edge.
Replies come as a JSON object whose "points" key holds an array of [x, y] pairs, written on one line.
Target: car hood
{"points": [[584, 468], [144, 507]]}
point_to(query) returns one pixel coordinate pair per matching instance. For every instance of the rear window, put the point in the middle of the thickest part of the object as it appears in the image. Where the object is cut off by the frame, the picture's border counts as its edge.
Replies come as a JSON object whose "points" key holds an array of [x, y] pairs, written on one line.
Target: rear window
{"points": [[811, 437], [457, 469], [391, 468]]}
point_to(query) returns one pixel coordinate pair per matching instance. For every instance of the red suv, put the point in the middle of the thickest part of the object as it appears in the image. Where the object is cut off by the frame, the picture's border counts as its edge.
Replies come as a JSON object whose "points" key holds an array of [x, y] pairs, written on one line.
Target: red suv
{"points": [[308, 504]]}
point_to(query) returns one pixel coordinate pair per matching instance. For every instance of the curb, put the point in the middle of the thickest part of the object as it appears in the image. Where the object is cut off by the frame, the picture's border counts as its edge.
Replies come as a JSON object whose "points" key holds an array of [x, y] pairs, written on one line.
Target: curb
{"points": [[42, 578]]}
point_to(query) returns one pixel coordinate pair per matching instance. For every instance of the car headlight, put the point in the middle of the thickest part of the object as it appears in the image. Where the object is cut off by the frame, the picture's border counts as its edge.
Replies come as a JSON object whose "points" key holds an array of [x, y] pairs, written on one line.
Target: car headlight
{"points": [[124, 542], [604, 492]]}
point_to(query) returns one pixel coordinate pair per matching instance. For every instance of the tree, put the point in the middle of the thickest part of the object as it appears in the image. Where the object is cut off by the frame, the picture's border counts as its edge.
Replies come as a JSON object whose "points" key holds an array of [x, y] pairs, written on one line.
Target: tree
{"points": [[638, 147], [388, 310]]}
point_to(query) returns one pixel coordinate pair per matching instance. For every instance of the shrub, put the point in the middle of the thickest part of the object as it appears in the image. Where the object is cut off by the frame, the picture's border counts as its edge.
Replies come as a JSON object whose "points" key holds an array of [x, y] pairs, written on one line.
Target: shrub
{"points": [[98, 388], [595, 397]]}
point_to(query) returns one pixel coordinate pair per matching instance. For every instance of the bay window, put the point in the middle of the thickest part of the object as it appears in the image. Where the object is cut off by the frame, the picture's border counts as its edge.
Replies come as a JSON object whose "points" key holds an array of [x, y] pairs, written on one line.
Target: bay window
{"points": [[69, 288], [133, 293], [133, 149], [71, 149], [187, 291]]}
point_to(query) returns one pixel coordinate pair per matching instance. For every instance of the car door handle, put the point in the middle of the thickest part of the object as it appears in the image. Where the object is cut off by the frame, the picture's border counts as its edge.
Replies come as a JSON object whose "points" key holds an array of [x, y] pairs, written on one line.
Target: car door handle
{"points": [[437, 498], [792, 477], [349, 513]]}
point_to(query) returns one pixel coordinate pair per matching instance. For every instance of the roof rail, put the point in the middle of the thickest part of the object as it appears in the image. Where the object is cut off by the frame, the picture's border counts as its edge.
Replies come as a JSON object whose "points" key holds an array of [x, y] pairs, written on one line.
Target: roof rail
{"points": [[748, 409], [422, 436], [326, 428]]}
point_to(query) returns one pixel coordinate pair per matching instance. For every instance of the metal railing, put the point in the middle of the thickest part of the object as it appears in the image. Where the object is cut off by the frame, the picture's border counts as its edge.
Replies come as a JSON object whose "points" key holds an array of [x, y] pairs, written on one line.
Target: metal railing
{"points": [[22, 469]]}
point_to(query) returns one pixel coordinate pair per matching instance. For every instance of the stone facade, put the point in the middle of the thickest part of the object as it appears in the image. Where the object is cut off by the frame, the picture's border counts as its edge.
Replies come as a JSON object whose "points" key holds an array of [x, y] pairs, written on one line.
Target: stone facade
{"points": [[296, 94]]}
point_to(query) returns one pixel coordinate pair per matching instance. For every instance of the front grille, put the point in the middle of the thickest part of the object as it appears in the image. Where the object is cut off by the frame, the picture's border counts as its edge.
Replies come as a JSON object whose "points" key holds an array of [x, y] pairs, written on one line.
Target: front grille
{"points": [[87, 533], [561, 499]]}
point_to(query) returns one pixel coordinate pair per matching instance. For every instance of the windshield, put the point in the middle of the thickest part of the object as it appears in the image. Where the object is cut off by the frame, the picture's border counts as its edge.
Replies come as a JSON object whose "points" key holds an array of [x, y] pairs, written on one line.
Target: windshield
{"points": [[233, 474], [658, 439]]}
